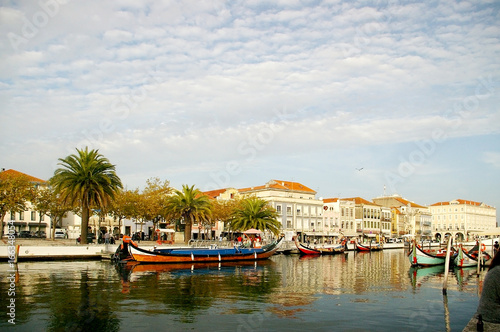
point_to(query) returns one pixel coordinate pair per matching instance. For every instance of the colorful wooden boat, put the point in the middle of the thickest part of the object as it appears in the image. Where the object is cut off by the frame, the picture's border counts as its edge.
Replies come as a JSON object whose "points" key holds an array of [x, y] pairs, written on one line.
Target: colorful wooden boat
{"points": [[419, 257], [369, 247], [469, 258], [191, 255], [325, 249]]}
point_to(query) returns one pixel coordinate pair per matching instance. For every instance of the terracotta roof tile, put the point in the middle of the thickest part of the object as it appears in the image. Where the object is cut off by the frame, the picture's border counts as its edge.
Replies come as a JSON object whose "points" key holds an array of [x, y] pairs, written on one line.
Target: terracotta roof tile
{"points": [[14, 173], [359, 200], [281, 185], [460, 201]]}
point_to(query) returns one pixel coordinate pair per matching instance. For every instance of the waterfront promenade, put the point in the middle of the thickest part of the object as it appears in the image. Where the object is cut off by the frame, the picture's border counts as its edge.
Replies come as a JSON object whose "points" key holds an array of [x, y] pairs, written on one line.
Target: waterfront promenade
{"points": [[59, 249]]}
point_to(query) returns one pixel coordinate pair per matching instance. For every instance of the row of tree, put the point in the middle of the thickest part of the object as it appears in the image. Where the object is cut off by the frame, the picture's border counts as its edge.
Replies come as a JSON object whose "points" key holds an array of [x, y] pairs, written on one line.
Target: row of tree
{"points": [[86, 183]]}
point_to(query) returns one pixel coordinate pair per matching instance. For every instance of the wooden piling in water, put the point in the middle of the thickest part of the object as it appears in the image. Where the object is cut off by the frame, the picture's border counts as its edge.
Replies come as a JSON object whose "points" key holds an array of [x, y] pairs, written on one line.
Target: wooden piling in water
{"points": [[447, 265]]}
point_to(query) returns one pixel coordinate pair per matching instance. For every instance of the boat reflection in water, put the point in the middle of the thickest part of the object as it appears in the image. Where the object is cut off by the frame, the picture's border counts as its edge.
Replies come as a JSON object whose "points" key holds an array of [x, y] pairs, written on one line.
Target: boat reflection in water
{"points": [[327, 292], [420, 275]]}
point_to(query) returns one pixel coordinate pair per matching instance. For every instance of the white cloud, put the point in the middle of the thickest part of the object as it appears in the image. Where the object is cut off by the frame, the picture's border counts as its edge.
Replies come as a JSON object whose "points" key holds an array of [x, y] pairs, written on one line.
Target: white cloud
{"points": [[192, 82]]}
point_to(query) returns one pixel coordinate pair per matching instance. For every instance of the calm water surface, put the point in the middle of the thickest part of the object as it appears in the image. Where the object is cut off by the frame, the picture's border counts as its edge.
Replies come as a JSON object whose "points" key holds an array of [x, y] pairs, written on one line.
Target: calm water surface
{"points": [[376, 291]]}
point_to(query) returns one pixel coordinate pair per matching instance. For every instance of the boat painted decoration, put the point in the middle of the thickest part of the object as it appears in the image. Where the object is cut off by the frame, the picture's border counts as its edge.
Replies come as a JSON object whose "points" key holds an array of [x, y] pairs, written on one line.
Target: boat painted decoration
{"points": [[325, 249], [469, 258], [369, 247], [419, 257], [132, 252]]}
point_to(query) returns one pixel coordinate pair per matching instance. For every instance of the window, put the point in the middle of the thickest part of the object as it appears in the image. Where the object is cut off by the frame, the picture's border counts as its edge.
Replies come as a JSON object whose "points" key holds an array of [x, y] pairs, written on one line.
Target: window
{"points": [[21, 215], [33, 215], [289, 210], [278, 208]]}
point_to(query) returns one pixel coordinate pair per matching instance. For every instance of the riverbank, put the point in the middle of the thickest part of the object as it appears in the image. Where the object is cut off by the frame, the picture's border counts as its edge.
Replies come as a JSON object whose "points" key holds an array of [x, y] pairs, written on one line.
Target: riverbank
{"points": [[58, 249]]}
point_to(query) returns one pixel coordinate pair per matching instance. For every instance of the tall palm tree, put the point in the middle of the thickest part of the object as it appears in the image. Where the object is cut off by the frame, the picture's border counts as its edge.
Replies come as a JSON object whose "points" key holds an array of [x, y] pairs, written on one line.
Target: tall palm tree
{"points": [[255, 212], [190, 205], [89, 179]]}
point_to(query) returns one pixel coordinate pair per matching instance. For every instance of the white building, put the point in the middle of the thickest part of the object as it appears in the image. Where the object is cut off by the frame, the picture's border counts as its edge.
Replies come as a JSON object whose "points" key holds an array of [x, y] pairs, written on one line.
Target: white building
{"points": [[338, 216], [460, 217], [297, 207]]}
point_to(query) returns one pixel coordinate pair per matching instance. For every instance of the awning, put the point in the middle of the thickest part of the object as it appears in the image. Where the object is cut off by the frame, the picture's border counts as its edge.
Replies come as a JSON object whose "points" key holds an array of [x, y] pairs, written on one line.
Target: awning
{"points": [[370, 235], [166, 230], [321, 234]]}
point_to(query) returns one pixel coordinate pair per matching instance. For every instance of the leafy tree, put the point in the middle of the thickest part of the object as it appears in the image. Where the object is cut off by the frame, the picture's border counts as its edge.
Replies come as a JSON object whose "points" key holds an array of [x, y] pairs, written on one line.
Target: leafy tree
{"points": [[124, 205], [16, 190], [255, 212], [41, 203], [89, 179], [155, 195], [190, 205], [57, 208], [222, 210]]}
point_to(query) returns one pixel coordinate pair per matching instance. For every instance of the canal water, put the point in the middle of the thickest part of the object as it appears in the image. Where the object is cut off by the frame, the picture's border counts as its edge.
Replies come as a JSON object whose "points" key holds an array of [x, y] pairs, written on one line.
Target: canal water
{"points": [[376, 291]]}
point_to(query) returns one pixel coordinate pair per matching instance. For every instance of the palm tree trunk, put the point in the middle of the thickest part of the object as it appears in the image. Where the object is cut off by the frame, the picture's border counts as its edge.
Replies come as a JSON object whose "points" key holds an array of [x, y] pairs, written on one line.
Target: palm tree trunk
{"points": [[85, 222], [187, 229]]}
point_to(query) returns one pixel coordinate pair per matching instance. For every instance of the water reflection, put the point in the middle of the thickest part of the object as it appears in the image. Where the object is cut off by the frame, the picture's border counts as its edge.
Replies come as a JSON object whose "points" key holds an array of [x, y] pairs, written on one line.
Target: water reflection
{"points": [[285, 292]]}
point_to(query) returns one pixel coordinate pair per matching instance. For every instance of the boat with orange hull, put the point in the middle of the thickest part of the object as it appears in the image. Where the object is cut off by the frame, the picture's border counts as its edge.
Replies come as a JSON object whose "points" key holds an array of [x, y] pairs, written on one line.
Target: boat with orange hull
{"points": [[130, 251]]}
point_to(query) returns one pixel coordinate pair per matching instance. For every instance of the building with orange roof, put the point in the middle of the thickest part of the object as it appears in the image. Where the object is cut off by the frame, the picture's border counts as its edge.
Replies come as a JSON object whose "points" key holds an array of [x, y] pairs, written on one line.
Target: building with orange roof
{"points": [[371, 218], [407, 217], [28, 220], [459, 218], [298, 209], [13, 173]]}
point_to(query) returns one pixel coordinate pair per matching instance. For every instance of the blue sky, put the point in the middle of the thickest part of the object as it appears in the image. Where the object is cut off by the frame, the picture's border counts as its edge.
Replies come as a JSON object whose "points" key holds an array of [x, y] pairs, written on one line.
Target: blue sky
{"points": [[236, 93]]}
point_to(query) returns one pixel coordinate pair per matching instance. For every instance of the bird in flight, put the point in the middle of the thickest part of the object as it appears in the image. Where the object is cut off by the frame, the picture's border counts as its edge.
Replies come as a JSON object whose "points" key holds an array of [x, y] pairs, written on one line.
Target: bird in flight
{"points": [[359, 169]]}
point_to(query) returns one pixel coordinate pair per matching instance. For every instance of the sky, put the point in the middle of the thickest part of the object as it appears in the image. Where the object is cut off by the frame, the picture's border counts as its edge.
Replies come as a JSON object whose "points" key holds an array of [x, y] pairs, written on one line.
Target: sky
{"points": [[354, 98]]}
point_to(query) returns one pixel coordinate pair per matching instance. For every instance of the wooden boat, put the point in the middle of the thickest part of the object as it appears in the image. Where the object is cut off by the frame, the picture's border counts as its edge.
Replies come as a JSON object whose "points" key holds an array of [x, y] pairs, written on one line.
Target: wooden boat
{"points": [[326, 249], [419, 257], [191, 255], [369, 247], [469, 258]]}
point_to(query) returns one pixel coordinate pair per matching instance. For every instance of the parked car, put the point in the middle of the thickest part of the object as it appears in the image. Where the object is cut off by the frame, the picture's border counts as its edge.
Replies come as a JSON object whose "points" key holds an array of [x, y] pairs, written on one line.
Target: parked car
{"points": [[41, 234], [25, 234], [60, 235]]}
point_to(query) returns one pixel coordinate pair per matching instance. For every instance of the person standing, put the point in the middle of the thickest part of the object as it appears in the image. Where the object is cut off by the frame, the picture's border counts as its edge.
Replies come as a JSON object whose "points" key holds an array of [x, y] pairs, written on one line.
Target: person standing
{"points": [[495, 248], [489, 303]]}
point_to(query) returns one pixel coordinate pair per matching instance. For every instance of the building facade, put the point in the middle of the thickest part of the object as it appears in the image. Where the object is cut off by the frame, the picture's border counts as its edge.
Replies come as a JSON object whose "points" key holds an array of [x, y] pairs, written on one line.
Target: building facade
{"points": [[407, 218], [338, 215], [459, 218], [297, 207], [29, 220]]}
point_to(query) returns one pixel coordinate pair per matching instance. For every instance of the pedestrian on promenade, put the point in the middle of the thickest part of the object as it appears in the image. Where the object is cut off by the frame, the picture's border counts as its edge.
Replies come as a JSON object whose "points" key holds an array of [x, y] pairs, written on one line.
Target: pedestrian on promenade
{"points": [[495, 248], [489, 303], [106, 238]]}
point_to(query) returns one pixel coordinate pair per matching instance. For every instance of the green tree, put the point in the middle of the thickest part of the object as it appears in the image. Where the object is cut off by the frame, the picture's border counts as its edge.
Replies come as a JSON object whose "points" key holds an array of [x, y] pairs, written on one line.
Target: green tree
{"points": [[255, 212], [155, 194], [89, 179], [16, 190], [190, 205]]}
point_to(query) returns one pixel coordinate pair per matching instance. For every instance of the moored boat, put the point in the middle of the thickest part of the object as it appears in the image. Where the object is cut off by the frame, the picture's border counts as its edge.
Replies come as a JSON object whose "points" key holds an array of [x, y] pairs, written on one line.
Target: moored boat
{"points": [[469, 258], [370, 247], [419, 257], [324, 249], [131, 251]]}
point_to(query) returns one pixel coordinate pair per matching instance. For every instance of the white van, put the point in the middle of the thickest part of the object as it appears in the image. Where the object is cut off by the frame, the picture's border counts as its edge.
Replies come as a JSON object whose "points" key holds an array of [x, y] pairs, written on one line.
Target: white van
{"points": [[60, 233]]}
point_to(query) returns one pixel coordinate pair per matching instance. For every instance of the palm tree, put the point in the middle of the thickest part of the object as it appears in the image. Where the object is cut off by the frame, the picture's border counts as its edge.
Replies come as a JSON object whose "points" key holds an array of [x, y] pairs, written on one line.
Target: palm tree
{"points": [[255, 212], [88, 179], [190, 205]]}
